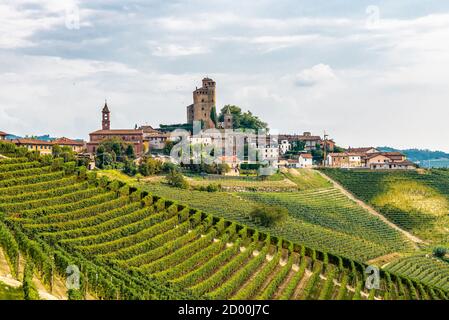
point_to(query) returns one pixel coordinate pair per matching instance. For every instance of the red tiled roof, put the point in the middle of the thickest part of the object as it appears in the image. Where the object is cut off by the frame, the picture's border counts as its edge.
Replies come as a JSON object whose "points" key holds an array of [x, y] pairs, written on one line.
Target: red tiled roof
{"points": [[67, 142], [31, 141], [118, 131], [306, 156], [386, 154], [3, 133], [362, 150]]}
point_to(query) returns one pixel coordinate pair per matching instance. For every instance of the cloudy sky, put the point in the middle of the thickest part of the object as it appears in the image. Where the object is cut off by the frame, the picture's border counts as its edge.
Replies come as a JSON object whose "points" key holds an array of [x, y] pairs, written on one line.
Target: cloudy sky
{"points": [[368, 72]]}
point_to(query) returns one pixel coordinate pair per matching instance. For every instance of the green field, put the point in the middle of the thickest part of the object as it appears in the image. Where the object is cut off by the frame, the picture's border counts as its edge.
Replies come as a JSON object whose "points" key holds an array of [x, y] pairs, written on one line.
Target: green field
{"points": [[129, 244], [417, 201], [10, 293], [320, 218], [427, 269]]}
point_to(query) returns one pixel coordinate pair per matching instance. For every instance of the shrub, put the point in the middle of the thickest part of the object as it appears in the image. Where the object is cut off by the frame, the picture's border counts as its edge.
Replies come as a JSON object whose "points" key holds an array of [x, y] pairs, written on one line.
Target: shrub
{"points": [[176, 179], [439, 252], [268, 215], [213, 187]]}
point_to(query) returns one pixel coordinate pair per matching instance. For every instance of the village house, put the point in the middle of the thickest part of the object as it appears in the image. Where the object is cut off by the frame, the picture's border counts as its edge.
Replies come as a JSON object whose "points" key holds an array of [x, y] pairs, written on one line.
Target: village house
{"points": [[154, 139], [370, 158], [284, 146], [344, 160], [401, 165], [129, 136], [269, 155], [77, 146], [3, 135], [364, 150], [310, 141], [43, 147], [305, 160]]}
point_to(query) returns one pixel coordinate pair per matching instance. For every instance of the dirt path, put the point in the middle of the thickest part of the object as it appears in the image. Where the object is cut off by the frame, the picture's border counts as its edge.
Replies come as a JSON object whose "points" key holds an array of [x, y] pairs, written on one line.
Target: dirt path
{"points": [[371, 210], [386, 259], [5, 271], [302, 284], [283, 285]]}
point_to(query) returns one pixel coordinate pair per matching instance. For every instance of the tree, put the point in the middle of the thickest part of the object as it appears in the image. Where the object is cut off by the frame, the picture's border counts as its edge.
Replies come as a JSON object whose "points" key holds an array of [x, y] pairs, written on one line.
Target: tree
{"points": [[439, 252], [177, 180], [213, 116], [130, 168], [56, 151], [130, 152], [149, 166], [317, 155], [167, 147], [268, 215], [67, 154], [242, 120]]}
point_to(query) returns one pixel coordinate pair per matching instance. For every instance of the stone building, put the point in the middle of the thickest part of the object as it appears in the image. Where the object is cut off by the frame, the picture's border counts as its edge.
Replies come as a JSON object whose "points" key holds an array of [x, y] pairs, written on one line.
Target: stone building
{"points": [[204, 100], [77, 146], [129, 136], [228, 119], [43, 147]]}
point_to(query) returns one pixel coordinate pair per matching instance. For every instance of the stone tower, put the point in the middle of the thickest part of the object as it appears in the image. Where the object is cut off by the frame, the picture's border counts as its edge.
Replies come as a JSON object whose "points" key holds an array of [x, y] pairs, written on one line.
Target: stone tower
{"points": [[228, 120], [203, 103], [106, 120]]}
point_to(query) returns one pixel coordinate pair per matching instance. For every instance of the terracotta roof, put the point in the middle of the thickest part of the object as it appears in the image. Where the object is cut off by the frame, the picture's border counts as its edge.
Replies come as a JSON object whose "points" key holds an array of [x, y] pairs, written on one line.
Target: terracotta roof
{"points": [[404, 163], [362, 150], [3, 133], [386, 154], [31, 141], [67, 142], [157, 134], [306, 156], [117, 131], [347, 154]]}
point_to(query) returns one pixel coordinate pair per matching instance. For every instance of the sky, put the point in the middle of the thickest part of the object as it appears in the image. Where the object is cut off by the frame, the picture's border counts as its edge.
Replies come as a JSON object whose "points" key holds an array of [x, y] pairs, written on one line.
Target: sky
{"points": [[369, 73]]}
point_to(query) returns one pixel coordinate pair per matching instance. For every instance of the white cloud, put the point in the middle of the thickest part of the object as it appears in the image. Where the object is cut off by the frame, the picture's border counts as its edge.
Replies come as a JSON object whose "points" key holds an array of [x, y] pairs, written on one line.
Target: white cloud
{"points": [[318, 74], [173, 50], [307, 69]]}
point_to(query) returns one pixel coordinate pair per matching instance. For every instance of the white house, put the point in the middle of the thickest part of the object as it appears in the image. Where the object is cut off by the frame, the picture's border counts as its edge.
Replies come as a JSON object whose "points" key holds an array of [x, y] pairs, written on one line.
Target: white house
{"points": [[269, 154], [285, 146], [305, 160]]}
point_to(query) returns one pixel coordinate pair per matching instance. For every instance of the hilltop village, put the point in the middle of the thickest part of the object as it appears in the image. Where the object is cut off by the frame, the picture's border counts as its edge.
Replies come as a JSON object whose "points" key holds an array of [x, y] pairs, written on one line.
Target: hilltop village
{"points": [[304, 150]]}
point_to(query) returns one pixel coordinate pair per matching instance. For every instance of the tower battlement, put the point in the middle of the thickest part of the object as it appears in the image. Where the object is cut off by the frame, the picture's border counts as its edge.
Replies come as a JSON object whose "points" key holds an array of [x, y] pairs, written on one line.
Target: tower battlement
{"points": [[204, 100]]}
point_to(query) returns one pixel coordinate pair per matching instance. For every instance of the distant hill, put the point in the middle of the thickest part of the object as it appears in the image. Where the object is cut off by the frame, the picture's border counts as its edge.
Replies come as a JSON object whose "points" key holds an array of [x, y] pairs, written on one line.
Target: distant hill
{"points": [[418, 154]]}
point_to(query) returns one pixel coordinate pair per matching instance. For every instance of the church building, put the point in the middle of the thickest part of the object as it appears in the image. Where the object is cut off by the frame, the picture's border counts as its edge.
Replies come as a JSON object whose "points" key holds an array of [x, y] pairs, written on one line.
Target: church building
{"points": [[130, 136]]}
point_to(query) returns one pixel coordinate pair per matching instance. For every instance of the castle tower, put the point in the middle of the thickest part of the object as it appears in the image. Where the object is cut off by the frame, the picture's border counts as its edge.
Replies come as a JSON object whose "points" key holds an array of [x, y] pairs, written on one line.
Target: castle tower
{"points": [[106, 120], [203, 103], [228, 120]]}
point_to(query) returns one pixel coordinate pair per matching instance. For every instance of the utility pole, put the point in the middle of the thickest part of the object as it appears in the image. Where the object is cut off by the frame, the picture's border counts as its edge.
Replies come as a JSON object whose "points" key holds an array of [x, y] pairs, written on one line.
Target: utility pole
{"points": [[325, 148]]}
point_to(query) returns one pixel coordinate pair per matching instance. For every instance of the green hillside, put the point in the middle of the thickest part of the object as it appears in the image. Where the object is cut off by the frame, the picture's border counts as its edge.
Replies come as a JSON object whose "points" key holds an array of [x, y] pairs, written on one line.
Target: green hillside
{"points": [[417, 201], [321, 218], [130, 244]]}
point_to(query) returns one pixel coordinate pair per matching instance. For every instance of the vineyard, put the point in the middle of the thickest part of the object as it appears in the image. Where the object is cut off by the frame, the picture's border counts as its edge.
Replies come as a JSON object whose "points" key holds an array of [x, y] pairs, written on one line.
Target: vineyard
{"points": [[426, 269], [417, 201], [323, 219], [132, 244]]}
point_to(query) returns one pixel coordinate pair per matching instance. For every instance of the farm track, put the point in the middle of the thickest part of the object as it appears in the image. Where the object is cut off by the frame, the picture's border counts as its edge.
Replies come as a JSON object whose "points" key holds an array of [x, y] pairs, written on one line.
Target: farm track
{"points": [[6, 278], [371, 210]]}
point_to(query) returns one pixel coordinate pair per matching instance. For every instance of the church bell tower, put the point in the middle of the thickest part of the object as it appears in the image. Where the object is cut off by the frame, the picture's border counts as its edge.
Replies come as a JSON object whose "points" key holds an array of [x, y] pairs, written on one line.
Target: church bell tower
{"points": [[106, 121]]}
